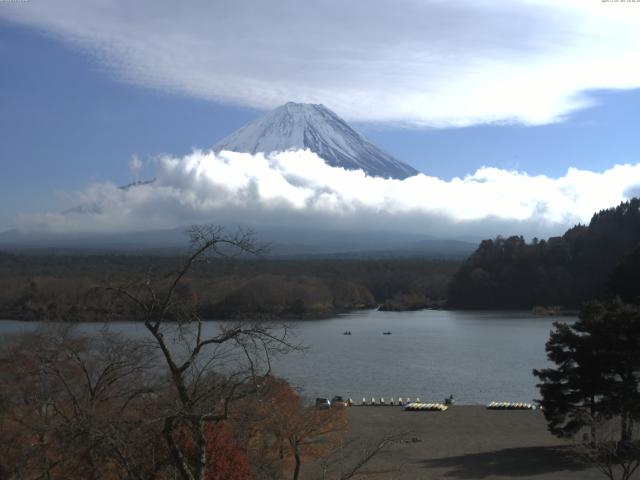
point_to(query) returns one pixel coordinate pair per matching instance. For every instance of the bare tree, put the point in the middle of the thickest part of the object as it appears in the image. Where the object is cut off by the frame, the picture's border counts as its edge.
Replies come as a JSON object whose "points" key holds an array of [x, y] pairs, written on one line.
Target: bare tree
{"points": [[348, 459], [615, 459], [111, 407], [209, 370], [80, 398]]}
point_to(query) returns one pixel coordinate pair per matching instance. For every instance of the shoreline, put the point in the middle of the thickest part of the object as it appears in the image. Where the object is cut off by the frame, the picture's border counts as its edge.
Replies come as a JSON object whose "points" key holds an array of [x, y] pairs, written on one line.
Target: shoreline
{"points": [[288, 318]]}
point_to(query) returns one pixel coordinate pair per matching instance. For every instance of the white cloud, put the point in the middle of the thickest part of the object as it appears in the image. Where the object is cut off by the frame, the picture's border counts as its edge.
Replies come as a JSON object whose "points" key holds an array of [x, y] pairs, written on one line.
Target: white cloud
{"points": [[417, 62], [135, 167], [297, 188]]}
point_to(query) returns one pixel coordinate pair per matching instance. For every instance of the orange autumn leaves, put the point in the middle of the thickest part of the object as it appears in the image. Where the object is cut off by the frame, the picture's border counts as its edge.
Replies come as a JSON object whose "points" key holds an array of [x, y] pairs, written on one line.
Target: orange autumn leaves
{"points": [[280, 431], [269, 435], [65, 414]]}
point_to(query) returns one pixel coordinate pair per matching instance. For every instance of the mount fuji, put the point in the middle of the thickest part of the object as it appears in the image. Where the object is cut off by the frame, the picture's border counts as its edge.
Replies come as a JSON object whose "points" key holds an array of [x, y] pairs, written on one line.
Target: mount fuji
{"points": [[296, 126]]}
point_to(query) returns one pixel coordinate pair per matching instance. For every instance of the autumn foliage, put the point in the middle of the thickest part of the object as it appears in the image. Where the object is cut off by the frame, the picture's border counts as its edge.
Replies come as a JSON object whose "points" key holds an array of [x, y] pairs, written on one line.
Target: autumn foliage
{"points": [[73, 407], [225, 458], [284, 432], [187, 401]]}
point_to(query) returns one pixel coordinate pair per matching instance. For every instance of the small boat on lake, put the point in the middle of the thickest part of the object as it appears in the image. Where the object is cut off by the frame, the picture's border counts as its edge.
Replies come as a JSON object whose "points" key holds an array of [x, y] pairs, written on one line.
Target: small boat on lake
{"points": [[386, 333]]}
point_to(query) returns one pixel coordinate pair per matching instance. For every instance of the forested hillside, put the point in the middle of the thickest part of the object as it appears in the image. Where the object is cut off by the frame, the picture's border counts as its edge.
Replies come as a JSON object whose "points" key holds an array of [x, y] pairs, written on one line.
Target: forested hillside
{"points": [[566, 271], [72, 287]]}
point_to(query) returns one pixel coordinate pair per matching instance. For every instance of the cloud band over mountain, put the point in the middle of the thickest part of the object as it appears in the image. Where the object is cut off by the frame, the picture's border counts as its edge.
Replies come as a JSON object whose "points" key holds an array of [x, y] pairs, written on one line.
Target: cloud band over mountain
{"points": [[421, 63], [298, 188]]}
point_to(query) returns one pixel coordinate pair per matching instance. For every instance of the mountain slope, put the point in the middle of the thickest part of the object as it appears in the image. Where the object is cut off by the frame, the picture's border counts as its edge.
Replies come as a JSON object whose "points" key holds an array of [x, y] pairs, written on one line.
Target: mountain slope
{"points": [[314, 127]]}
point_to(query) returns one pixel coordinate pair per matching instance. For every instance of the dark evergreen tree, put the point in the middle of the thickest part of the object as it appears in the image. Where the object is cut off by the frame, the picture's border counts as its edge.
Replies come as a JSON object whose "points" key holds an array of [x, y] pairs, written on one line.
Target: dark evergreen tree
{"points": [[625, 279], [617, 330], [597, 372], [571, 392]]}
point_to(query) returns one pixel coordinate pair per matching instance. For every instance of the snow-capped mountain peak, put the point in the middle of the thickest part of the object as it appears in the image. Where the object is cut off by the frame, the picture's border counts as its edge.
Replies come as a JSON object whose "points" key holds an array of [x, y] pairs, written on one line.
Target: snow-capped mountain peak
{"points": [[310, 126]]}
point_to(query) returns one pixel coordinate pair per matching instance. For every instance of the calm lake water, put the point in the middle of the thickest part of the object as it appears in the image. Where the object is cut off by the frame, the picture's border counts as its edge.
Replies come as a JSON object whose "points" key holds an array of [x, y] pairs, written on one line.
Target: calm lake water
{"points": [[475, 356]]}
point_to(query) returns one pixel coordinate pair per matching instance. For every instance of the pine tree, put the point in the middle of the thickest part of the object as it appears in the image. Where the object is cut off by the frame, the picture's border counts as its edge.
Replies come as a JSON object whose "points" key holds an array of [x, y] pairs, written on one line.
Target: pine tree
{"points": [[597, 372]]}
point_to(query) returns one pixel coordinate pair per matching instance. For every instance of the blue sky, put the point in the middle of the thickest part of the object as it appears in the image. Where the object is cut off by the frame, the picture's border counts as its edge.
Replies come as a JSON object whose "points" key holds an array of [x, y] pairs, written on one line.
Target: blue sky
{"points": [[70, 117], [67, 122]]}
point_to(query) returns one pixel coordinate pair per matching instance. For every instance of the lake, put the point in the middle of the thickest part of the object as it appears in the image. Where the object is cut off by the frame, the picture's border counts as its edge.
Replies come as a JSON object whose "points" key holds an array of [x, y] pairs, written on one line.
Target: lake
{"points": [[475, 356]]}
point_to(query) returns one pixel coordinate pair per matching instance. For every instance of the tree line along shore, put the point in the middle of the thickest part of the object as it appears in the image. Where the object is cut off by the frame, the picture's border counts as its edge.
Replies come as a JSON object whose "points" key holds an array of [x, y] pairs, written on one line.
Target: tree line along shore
{"points": [[76, 287], [595, 261]]}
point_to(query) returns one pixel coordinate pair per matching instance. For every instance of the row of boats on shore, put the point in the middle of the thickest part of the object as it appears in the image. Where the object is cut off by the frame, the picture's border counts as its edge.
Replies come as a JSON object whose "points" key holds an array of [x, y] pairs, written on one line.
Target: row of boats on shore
{"points": [[382, 402], [417, 405], [348, 332], [510, 406], [428, 407], [442, 407]]}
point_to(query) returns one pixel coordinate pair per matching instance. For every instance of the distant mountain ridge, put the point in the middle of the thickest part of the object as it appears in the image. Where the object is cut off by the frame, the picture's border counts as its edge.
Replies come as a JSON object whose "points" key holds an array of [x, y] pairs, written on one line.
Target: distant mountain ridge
{"points": [[284, 242], [314, 127]]}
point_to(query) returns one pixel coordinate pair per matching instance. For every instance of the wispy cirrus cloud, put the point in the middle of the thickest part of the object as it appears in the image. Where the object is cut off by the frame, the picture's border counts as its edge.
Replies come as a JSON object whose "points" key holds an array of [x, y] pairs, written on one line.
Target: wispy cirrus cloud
{"points": [[420, 63], [297, 188]]}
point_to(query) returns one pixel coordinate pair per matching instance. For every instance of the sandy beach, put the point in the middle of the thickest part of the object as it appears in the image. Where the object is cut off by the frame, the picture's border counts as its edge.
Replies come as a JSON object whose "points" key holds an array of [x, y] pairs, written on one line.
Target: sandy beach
{"points": [[465, 442]]}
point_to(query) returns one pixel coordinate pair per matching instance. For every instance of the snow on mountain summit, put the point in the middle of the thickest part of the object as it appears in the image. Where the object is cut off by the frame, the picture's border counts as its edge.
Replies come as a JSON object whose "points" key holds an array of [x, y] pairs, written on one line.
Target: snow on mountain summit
{"points": [[296, 126]]}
